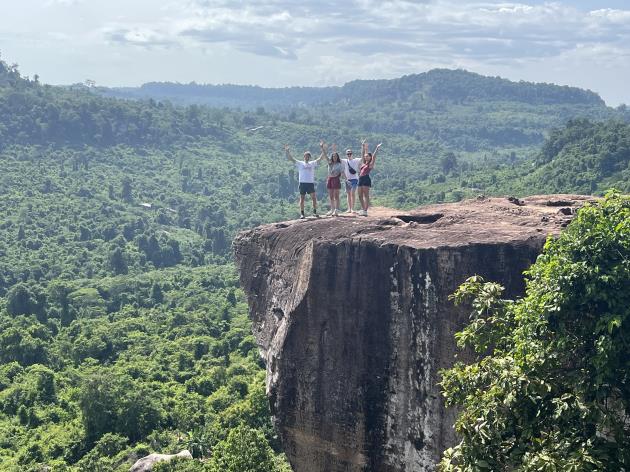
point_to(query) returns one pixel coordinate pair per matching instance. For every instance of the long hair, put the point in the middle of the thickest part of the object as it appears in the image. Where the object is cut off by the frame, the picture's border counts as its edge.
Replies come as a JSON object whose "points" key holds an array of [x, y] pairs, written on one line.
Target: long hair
{"points": [[333, 156], [369, 159]]}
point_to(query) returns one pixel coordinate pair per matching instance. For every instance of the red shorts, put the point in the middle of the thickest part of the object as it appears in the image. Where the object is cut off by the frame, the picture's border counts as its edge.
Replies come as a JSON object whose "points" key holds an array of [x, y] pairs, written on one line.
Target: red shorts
{"points": [[333, 183]]}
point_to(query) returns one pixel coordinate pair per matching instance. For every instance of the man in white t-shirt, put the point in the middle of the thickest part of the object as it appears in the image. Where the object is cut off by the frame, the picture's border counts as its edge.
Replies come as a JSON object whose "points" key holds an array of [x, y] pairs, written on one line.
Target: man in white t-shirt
{"points": [[306, 172], [351, 171]]}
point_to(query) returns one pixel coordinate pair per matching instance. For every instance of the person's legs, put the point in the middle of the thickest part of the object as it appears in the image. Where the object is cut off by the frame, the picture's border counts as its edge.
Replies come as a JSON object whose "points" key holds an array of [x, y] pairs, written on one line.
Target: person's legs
{"points": [[302, 203], [314, 198], [360, 190], [331, 200], [335, 196], [366, 197], [349, 195]]}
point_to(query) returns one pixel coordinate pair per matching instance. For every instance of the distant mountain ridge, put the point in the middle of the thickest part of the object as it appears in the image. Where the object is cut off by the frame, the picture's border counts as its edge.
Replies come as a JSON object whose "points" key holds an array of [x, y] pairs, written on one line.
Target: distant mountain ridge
{"points": [[437, 84], [451, 108]]}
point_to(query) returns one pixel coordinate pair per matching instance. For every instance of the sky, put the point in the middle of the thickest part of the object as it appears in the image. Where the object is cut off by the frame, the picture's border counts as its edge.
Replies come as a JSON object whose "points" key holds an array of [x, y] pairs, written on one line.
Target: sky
{"points": [[277, 43]]}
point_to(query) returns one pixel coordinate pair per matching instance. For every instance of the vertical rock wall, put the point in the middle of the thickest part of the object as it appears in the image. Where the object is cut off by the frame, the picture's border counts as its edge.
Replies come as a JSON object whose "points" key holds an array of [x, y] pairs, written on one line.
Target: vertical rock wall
{"points": [[354, 322]]}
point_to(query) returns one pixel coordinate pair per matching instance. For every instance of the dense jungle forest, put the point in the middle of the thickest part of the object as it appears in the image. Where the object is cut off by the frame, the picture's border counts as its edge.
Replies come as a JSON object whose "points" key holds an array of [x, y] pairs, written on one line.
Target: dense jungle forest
{"points": [[122, 327]]}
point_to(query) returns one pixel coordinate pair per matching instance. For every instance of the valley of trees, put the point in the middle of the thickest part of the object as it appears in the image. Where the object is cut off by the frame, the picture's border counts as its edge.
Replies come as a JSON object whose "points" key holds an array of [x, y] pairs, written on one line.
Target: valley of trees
{"points": [[122, 328]]}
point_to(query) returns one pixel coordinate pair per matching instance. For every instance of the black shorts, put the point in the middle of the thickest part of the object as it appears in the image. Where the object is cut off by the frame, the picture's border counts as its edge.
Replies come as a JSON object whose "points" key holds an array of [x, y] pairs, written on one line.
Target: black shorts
{"points": [[365, 181], [307, 187]]}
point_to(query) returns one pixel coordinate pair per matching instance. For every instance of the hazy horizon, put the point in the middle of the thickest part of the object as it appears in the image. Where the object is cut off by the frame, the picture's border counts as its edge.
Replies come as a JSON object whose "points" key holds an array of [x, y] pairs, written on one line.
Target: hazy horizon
{"points": [[277, 43]]}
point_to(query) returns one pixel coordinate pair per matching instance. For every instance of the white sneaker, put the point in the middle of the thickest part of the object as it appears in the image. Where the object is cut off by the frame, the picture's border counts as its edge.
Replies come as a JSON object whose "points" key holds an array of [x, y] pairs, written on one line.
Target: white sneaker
{"points": [[330, 212], [362, 213], [302, 216], [349, 211], [335, 212]]}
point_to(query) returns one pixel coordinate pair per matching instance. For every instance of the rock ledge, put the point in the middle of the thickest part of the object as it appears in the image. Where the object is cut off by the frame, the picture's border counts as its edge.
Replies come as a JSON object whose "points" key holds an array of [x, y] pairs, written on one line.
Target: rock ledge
{"points": [[352, 317]]}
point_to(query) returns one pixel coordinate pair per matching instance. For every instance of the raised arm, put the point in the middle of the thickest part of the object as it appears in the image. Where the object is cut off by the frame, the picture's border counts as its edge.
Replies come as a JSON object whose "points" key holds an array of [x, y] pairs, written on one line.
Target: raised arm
{"points": [[373, 161], [288, 153], [364, 147], [322, 146]]}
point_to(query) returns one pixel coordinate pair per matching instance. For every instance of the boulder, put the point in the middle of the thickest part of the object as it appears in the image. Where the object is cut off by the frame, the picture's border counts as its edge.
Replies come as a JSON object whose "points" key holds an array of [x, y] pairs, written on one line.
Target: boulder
{"points": [[146, 463]]}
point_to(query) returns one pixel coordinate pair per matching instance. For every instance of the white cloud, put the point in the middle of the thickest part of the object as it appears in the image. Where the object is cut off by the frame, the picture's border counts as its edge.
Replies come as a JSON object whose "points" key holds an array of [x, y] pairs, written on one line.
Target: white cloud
{"points": [[301, 40], [493, 31], [138, 36]]}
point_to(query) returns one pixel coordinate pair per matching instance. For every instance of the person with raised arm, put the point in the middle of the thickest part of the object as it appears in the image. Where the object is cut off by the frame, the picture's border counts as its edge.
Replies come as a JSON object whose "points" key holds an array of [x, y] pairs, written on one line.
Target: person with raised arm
{"points": [[351, 172], [306, 173], [365, 182], [333, 182]]}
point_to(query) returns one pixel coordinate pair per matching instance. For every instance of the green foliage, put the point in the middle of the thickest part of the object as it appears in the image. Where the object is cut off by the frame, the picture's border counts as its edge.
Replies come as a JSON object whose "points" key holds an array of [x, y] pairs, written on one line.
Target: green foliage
{"points": [[130, 369], [112, 402], [245, 449], [22, 301], [31, 113], [584, 157], [462, 109], [122, 328], [553, 393]]}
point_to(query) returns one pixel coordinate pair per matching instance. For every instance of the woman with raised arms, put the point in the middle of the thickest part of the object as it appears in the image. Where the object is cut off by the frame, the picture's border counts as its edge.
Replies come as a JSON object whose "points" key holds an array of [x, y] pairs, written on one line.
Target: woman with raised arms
{"points": [[333, 182], [365, 182]]}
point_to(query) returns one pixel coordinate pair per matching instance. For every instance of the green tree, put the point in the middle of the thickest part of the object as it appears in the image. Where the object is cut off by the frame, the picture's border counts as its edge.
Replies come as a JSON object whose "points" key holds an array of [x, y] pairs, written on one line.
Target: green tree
{"points": [[117, 261], [245, 449], [112, 402], [156, 293], [554, 392], [448, 162], [21, 300], [58, 298], [126, 192]]}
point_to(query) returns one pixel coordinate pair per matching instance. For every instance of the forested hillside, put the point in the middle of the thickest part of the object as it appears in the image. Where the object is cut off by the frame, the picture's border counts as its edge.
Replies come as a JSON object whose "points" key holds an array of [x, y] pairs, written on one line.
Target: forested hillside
{"points": [[582, 157], [459, 109], [439, 84], [122, 328], [117, 293]]}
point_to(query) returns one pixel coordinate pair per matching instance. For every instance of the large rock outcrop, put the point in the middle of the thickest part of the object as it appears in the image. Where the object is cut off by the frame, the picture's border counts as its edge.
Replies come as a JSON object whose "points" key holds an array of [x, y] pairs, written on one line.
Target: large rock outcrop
{"points": [[353, 319]]}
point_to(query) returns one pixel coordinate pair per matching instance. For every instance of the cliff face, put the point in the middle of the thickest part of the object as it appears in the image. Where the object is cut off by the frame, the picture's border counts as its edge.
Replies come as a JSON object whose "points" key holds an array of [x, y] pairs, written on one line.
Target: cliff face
{"points": [[353, 320]]}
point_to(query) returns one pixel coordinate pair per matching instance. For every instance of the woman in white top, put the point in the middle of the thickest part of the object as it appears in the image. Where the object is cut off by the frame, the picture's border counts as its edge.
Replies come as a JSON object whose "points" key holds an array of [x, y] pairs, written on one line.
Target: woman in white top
{"points": [[306, 172]]}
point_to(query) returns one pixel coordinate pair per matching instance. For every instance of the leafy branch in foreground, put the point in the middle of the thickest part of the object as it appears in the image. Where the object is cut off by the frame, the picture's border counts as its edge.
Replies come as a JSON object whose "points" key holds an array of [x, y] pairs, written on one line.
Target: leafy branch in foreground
{"points": [[553, 391]]}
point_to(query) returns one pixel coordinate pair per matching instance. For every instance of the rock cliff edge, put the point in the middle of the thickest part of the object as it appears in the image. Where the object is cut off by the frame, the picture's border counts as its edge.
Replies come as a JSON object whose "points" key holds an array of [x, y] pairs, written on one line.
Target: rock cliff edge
{"points": [[353, 319]]}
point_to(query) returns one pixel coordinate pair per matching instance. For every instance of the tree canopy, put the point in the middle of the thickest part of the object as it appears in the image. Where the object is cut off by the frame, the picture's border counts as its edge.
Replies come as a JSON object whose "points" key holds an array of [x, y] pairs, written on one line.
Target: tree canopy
{"points": [[550, 390], [122, 328]]}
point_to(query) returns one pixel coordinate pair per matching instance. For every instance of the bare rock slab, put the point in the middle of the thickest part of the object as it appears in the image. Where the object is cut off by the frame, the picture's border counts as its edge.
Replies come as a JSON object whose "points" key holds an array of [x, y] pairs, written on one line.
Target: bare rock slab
{"points": [[353, 320], [146, 463]]}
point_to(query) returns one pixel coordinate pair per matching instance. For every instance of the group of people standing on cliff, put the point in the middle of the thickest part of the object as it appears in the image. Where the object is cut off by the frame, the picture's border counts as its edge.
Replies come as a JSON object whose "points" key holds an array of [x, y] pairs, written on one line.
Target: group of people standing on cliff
{"points": [[356, 172]]}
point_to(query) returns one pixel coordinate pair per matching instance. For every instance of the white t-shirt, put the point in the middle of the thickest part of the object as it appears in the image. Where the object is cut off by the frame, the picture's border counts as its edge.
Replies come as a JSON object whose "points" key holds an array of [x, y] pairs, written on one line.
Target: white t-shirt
{"points": [[354, 163], [306, 171]]}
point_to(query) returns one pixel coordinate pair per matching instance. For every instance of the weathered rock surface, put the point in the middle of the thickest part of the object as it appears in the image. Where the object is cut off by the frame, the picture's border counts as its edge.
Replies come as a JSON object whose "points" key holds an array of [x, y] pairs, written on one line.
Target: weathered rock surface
{"points": [[353, 320], [146, 463]]}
